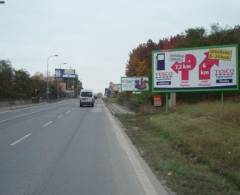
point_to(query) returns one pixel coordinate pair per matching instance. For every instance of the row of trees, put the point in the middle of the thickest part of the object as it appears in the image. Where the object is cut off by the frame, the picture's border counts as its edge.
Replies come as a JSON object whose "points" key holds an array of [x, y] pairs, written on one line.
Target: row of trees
{"points": [[18, 84], [139, 63]]}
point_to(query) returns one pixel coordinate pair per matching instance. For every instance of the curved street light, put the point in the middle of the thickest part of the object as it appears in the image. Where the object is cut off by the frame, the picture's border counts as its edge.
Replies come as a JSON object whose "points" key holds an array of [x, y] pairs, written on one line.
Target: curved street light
{"points": [[56, 55], [2, 2]]}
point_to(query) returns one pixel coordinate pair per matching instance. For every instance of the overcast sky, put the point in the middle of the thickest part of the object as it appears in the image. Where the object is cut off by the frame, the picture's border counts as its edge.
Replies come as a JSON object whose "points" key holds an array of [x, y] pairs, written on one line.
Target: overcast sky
{"points": [[95, 37]]}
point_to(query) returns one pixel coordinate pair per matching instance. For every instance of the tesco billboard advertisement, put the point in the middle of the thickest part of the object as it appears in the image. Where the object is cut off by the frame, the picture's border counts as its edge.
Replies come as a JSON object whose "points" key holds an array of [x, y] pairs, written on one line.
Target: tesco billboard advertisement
{"points": [[196, 69]]}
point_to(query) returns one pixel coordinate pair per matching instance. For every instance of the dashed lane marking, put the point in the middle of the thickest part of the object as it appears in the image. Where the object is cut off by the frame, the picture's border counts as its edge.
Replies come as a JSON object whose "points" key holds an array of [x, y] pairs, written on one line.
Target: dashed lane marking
{"points": [[47, 124], [19, 140]]}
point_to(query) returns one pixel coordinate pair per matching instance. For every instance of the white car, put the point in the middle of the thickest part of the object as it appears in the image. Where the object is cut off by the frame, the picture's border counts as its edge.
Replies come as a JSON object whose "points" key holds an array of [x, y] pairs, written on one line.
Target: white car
{"points": [[87, 98]]}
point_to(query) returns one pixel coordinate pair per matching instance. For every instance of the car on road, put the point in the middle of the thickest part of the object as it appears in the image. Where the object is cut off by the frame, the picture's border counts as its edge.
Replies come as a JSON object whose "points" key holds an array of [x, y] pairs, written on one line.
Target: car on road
{"points": [[86, 98]]}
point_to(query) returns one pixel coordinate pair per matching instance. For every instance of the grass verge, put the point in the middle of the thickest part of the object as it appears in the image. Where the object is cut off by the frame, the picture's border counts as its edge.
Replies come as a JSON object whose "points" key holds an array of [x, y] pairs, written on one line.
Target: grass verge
{"points": [[195, 149]]}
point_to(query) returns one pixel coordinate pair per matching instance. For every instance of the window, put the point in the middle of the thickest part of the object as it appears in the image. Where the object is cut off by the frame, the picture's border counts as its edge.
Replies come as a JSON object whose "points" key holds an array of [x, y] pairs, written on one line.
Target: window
{"points": [[86, 94]]}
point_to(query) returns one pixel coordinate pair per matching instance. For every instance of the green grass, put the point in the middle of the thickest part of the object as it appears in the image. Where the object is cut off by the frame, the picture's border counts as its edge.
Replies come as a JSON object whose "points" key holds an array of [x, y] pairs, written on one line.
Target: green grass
{"points": [[195, 149]]}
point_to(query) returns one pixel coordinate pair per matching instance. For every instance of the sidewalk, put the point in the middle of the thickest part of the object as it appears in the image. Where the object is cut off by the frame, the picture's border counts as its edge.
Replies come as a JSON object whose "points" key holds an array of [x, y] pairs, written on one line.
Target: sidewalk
{"points": [[118, 109]]}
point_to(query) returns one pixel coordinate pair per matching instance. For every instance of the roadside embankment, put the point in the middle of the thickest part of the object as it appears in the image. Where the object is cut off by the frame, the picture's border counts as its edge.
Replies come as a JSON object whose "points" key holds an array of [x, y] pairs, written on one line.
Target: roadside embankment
{"points": [[195, 149]]}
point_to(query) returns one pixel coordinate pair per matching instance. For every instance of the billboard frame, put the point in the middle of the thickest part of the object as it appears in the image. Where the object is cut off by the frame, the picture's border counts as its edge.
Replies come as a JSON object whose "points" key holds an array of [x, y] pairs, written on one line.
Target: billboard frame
{"points": [[63, 75], [149, 87], [207, 89]]}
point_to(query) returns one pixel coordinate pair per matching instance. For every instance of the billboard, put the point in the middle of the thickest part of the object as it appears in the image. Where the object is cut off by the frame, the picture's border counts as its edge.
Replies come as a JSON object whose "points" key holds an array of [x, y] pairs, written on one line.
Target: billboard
{"points": [[107, 92], [65, 73], [59, 73], [134, 83], [195, 69], [69, 73]]}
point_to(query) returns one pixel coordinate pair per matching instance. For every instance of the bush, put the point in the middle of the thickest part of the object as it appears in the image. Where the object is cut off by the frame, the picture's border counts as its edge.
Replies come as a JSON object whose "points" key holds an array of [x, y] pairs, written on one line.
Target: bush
{"points": [[135, 100]]}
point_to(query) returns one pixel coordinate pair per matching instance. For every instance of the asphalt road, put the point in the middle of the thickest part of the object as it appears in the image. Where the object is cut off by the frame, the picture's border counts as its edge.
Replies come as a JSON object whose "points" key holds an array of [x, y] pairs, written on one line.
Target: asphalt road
{"points": [[63, 149]]}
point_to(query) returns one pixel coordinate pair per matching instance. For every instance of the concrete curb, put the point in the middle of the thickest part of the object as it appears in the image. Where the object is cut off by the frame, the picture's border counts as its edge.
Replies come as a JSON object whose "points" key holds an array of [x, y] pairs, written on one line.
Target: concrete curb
{"points": [[147, 179]]}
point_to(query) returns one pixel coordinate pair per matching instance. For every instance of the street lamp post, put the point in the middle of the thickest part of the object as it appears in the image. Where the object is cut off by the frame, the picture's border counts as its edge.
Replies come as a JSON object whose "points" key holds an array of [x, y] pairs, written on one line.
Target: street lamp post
{"points": [[2, 2], [56, 55]]}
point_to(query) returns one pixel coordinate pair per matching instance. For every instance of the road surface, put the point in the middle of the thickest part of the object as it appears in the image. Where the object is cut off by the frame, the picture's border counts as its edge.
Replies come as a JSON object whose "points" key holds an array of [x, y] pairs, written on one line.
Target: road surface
{"points": [[63, 149]]}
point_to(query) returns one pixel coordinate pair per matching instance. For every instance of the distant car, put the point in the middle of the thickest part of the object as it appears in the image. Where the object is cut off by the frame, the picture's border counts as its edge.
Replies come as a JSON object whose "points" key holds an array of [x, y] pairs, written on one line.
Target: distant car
{"points": [[87, 98]]}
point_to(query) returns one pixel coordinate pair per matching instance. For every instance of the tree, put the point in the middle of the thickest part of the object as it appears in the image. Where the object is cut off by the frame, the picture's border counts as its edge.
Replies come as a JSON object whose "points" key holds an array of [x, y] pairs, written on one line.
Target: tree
{"points": [[22, 84], [195, 33], [139, 63], [99, 95], [38, 85], [53, 89], [6, 79]]}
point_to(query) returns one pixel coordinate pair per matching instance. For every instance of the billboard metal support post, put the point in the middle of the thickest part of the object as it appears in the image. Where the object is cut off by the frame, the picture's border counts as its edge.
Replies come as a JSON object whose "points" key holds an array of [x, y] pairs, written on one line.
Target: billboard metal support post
{"points": [[166, 102]]}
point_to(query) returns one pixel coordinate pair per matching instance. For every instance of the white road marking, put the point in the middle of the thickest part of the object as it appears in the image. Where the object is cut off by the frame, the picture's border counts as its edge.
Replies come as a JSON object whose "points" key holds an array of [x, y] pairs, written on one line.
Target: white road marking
{"points": [[47, 124], [28, 114], [60, 116], [68, 111], [21, 139], [20, 116], [24, 108]]}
